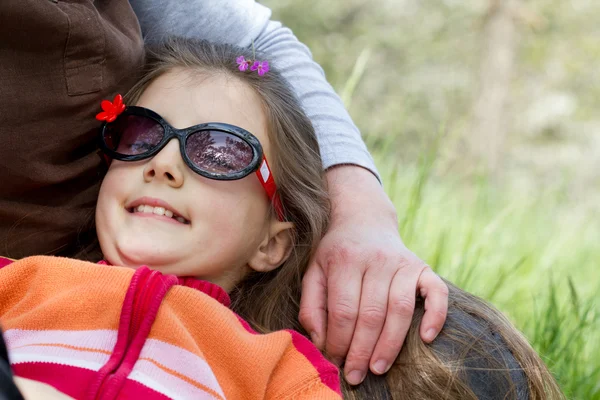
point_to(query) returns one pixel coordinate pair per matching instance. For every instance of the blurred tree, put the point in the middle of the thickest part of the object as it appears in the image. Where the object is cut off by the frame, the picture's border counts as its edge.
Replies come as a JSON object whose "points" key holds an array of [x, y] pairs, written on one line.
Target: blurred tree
{"points": [[416, 65], [491, 121]]}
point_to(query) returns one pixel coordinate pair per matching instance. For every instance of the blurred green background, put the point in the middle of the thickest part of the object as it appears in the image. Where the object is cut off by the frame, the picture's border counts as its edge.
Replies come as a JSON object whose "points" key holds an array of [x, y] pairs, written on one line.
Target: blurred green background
{"points": [[483, 118]]}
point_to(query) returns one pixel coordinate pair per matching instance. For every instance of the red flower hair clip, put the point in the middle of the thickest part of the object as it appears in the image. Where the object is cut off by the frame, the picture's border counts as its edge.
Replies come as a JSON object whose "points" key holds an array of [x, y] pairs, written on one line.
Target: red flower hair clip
{"points": [[110, 111]]}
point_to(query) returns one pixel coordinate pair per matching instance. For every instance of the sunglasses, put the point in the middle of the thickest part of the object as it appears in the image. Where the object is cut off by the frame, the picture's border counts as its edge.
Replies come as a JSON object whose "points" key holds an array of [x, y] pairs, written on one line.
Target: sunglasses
{"points": [[213, 150]]}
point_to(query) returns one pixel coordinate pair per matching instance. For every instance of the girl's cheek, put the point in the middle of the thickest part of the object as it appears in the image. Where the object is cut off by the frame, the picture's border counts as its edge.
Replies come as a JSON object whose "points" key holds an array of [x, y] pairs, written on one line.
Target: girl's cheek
{"points": [[117, 179]]}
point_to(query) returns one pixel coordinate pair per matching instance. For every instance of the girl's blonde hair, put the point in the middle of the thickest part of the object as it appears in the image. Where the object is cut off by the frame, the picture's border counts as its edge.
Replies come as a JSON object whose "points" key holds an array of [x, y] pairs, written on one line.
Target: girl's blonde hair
{"points": [[478, 354]]}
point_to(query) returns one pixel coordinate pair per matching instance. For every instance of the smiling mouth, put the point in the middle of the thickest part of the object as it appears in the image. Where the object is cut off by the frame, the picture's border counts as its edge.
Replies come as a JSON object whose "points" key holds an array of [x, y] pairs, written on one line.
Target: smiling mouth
{"points": [[160, 211]]}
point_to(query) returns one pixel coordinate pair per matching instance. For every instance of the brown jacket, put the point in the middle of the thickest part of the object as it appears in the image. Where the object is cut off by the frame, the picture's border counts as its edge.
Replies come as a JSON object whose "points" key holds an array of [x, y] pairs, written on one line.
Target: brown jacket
{"points": [[58, 60]]}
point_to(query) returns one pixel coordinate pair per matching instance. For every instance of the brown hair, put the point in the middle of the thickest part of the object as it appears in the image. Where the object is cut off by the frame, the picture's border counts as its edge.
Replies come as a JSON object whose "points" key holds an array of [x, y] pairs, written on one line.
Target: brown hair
{"points": [[478, 354]]}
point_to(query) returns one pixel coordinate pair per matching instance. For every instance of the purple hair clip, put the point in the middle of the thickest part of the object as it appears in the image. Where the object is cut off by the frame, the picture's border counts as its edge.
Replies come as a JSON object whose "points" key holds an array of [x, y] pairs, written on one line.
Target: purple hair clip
{"points": [[262, 67], [243, 64]]}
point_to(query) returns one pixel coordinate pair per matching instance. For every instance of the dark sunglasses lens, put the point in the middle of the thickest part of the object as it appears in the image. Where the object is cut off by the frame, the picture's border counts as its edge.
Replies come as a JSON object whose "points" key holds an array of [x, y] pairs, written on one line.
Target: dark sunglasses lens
{"points": [[133, 134], [218, 152]]}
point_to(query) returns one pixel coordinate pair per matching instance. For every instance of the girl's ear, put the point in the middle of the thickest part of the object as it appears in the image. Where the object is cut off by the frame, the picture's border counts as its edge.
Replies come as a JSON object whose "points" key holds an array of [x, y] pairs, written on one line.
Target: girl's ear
{"points": [[275, 248]]}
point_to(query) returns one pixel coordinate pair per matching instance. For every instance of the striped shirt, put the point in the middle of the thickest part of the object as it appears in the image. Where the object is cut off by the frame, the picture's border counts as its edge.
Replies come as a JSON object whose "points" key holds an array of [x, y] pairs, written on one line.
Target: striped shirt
{"points": [[103, 332]]}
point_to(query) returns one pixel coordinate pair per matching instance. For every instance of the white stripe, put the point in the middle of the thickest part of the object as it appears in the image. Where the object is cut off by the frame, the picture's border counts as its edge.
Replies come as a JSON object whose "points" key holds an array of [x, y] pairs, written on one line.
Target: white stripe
{"points": [[264, 171], [183, 361], [36, 345], [58, 355], [155, 378], [99, 339]]}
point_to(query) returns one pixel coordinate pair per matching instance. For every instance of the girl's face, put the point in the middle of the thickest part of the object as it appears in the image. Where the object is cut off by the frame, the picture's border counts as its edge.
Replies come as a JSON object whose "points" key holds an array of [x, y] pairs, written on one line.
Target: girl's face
{"points": [[227, 222]]}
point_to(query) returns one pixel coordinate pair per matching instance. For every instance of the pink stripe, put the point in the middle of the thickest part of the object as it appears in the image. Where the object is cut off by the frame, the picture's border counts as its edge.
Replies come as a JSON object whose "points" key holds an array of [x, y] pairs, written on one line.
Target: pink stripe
{"points": [[156, 286], [70, 380], [4, 262], [122, 337], [73, 381], [328, 372]]}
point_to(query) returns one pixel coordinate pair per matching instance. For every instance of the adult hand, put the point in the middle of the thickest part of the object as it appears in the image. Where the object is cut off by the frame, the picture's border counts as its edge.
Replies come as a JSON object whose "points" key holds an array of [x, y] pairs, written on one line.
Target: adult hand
{"points": [[358, 294]]}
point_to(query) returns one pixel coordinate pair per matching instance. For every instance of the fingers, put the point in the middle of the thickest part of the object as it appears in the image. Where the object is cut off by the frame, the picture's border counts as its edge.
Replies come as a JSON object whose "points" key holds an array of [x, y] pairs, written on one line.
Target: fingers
{"points": [[400, 309], [360, 308], [343, 299], [371, 319], [313, 304], [435, 292]]}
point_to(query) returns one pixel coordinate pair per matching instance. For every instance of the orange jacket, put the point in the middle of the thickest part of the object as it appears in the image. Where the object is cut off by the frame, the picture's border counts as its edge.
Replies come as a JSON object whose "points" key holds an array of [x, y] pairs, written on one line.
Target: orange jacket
{"points": [[103, 332]]}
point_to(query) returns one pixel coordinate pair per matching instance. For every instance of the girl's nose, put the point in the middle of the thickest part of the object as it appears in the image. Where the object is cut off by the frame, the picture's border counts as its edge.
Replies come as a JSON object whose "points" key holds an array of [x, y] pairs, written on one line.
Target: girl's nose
{"points": [[166, 166]]}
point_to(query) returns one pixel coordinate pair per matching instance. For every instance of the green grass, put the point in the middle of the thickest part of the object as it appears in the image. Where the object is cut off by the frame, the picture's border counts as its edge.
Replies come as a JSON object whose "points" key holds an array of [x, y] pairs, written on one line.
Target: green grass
{"points": [[535, 256], [534, 253]]}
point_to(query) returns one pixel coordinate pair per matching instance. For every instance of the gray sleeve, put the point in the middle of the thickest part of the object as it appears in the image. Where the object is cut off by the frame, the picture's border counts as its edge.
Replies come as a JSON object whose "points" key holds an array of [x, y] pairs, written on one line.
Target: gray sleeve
{"points": [[239, 22]]}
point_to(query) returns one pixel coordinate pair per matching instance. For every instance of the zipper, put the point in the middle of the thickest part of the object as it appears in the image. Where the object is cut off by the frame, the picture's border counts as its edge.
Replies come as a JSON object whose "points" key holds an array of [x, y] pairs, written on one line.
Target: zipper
{"points": [[140, 307]]}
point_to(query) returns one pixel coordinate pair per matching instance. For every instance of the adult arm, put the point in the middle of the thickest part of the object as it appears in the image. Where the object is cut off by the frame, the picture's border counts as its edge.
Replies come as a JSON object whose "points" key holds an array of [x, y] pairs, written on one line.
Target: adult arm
{"points": [[243, 22], [359, 291]]}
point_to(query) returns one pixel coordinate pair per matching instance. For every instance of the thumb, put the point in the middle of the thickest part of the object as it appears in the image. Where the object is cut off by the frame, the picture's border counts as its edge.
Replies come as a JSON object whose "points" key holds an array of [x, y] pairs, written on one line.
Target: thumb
{"points": [[313, 304]]}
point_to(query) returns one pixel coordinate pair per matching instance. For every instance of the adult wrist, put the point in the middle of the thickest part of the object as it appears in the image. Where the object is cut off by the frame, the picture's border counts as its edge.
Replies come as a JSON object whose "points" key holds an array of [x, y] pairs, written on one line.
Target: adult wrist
{"points": [[355, 189]]}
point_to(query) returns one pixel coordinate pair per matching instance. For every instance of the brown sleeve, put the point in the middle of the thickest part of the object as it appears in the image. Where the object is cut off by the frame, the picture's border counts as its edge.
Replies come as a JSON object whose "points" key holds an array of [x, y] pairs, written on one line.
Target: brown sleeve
{"points": [[58, 60]]}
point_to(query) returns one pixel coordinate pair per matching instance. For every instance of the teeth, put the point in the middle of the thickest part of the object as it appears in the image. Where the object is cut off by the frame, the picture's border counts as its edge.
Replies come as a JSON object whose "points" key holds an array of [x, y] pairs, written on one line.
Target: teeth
{"points": [[143, 208]]}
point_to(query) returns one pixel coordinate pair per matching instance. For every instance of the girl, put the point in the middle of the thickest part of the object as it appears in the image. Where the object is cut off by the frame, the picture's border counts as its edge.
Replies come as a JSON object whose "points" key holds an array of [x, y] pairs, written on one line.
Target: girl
{"points": [[191, 193], [104, 332]]}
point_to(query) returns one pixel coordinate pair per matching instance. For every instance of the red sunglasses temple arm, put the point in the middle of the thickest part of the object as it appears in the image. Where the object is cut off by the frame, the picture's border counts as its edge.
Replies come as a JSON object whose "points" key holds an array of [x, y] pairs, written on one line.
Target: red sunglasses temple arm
{"points": [[106, 159], [268, 183]]}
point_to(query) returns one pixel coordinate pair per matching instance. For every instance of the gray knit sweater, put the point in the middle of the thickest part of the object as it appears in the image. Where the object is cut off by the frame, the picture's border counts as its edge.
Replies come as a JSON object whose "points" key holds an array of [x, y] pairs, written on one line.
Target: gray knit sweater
{"points": [[240, 22]]}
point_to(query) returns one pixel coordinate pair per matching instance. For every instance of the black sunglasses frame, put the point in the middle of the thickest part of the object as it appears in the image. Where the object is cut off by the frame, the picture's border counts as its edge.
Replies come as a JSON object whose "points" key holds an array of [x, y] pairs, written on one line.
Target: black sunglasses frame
{"points": [[182, 135]]}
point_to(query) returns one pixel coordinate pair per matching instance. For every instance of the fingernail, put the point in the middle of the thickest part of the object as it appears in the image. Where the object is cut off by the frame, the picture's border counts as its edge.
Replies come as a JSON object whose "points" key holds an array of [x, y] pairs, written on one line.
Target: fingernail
{"points": [[430, 335], [355, 377], [380, 367]]}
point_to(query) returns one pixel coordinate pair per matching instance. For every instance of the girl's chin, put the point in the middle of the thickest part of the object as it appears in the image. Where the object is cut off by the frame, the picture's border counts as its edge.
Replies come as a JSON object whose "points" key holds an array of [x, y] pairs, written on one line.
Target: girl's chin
{"points": [[136, 256]]}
